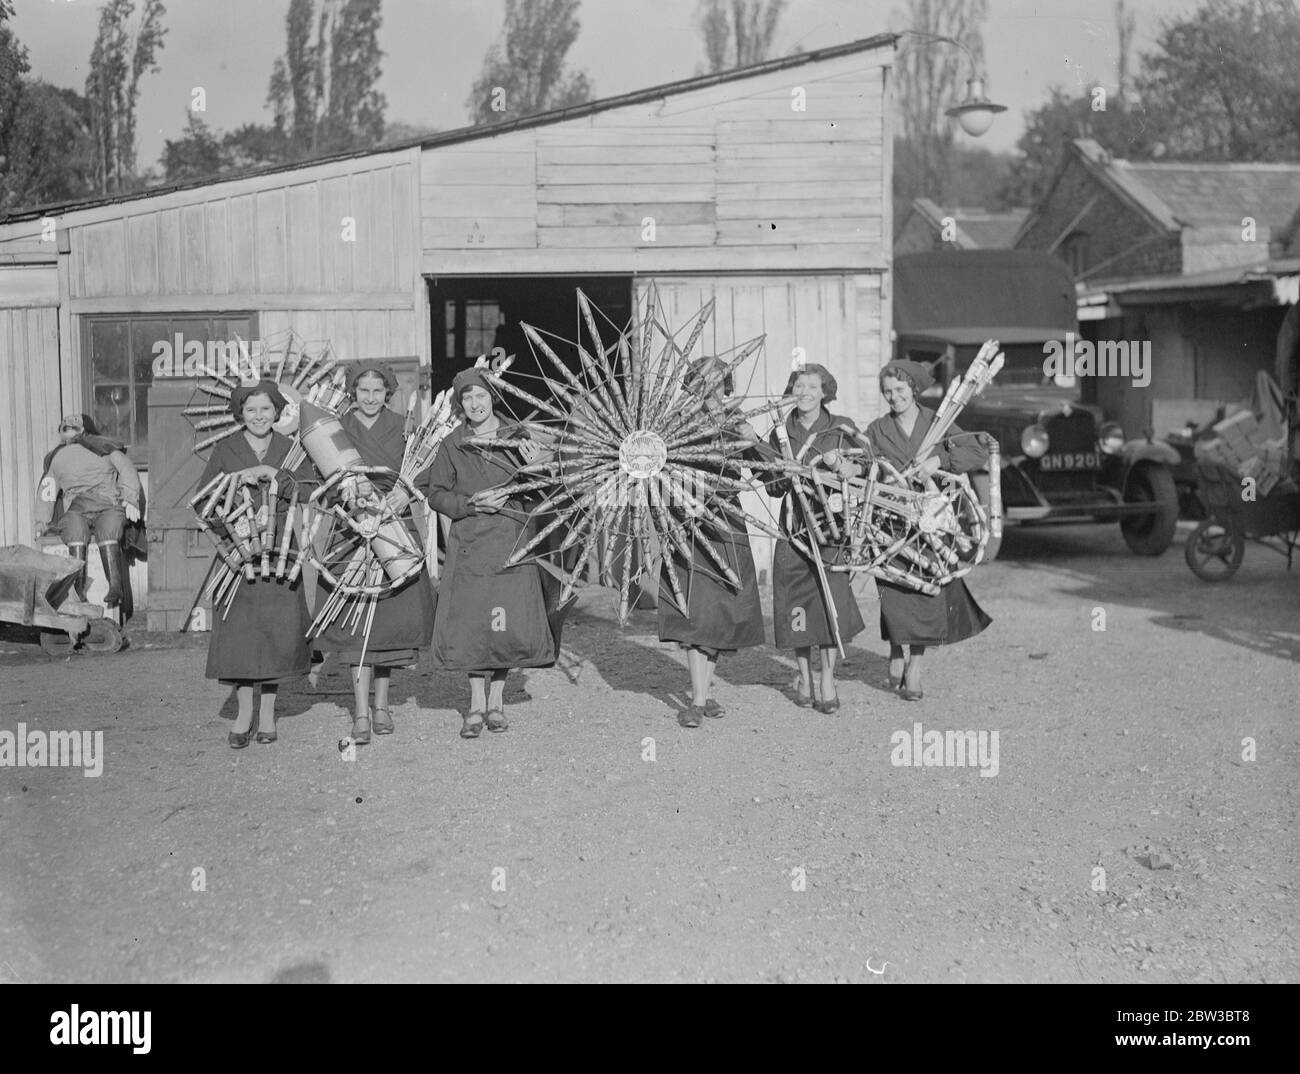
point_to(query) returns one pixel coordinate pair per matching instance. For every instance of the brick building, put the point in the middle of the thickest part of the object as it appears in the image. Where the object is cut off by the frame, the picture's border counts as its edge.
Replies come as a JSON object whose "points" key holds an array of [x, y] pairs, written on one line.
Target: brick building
{"points": [[1201, 260]]}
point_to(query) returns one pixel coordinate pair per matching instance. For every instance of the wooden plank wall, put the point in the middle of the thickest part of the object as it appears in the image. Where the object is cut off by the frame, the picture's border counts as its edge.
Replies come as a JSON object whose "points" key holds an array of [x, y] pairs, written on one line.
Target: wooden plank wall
{"points": [[30, 410], [249, 243], [734, 178]]}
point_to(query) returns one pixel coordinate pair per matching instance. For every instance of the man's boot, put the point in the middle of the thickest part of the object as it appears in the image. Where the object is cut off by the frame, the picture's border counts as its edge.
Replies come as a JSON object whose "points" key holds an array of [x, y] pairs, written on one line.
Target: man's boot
{"points": [[79, 579], [110, 555]]}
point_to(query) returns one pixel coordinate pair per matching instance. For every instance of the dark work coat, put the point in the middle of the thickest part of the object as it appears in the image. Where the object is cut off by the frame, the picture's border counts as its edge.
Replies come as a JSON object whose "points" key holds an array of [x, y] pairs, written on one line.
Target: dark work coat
{"points": [[403, 622], [799, 616], [719, 617], [487, 616], [908, 617], [263, 636]]}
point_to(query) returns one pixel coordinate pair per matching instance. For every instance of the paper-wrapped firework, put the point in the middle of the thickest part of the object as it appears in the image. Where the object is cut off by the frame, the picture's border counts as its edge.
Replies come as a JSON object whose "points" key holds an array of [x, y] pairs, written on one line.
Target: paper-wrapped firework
{"points": [[995, 489], [324, 440], [328, 446], [393, 546]]}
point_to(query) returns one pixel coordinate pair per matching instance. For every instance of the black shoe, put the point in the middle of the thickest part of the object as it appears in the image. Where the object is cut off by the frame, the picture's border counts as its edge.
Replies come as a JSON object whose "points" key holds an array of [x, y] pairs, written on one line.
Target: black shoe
{"points": [[828, 707], [496, 720], [713, 710], [237, 740], [691, 717], [472, 726], [804, 701], [263, 738]]}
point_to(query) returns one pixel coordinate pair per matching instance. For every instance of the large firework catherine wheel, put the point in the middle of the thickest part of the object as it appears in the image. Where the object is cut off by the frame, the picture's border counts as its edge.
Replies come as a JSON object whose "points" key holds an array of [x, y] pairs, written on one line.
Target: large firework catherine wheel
{"points": [[642, 458], [364, 543], [921, 529], [301, 370]]}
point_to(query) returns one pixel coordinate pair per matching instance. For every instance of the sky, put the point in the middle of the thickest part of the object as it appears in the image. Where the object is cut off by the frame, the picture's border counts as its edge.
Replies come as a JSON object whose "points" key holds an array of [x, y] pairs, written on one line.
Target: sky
{"points": [[433, 50]]}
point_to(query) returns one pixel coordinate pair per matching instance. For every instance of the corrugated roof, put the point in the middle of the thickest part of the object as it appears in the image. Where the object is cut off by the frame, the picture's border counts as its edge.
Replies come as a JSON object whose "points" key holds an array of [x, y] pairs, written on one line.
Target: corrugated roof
{"points": [[467, 134], [1230, 276]]}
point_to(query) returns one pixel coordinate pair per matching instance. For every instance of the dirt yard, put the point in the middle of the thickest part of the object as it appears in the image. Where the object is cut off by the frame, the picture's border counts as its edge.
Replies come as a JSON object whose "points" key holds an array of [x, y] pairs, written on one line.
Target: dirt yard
{"points": [[1127, 835]]}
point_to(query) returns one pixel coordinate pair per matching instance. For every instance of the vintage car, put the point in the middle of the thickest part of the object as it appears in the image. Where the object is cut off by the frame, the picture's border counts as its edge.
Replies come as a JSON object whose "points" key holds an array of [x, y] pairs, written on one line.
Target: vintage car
{"points": [[1061, 460]]}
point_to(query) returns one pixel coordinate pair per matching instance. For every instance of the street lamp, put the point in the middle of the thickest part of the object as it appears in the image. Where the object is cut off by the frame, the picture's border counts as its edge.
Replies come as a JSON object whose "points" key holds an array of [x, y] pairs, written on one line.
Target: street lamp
{"points": [[975, 113]]}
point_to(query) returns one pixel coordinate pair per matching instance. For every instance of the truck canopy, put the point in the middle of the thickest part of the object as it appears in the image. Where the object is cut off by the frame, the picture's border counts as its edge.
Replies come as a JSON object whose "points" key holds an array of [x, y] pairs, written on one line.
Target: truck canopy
{"points": [[964, 297]]}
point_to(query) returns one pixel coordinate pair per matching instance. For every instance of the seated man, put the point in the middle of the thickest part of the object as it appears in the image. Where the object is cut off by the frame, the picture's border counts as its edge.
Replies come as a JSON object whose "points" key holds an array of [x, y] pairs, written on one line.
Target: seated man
{"points": [[101, 491]]}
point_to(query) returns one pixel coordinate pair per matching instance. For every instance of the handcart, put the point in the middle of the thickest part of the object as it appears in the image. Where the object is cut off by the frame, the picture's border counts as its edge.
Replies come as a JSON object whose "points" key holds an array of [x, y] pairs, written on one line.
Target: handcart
{"points": [[35, 592], [1215, 549]]}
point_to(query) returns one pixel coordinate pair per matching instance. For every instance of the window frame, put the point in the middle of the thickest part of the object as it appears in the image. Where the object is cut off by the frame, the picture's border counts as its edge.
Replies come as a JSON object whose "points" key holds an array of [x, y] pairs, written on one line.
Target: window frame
{"points": [[139, 453]]}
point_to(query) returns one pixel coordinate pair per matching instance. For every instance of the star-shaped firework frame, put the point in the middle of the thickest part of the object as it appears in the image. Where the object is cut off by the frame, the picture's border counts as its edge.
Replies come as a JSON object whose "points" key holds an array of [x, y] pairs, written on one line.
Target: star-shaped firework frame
{"points": [[642, 455]]}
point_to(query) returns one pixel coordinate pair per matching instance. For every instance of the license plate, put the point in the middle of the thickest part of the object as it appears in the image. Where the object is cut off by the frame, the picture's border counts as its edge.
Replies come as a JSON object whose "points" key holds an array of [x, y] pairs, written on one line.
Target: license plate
{"points": [[1069, 460]]}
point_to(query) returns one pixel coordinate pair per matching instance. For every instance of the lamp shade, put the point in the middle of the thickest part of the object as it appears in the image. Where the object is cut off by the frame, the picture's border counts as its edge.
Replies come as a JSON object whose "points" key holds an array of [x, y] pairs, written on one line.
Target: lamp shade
{"points": [[976, 112]]}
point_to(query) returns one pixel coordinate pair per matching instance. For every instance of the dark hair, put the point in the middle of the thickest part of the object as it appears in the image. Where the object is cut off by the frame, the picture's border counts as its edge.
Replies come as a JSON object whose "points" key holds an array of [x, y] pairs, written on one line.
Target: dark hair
{"points": [[240, 395], [899, 374], [830, 389], [697, 376], [458, 407], [382, 370]]}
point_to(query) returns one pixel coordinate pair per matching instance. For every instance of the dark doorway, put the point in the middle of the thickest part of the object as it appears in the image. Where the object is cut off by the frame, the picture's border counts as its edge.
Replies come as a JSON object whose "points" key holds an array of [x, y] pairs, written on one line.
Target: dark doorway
{"points": [[473, 315]]}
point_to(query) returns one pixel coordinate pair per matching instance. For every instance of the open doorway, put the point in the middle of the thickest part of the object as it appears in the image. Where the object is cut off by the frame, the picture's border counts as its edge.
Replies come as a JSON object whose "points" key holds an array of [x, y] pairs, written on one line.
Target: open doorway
{"points": [[473, 315]]}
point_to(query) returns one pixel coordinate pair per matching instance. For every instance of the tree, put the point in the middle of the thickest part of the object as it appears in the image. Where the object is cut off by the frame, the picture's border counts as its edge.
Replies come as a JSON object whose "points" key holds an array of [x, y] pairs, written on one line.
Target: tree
{"points": [[930, 76], [737, 33], [355, 110], [50, 154], [322, 94], [523, 73], [196, 155], [200, 153], [1121, 131], [118, 60], [13, 66], [1224, 83]]}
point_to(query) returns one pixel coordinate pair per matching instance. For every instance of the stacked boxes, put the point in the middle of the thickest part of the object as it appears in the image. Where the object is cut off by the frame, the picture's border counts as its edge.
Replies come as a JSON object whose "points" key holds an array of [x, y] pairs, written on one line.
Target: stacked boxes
{"points": [[1240, 446]]}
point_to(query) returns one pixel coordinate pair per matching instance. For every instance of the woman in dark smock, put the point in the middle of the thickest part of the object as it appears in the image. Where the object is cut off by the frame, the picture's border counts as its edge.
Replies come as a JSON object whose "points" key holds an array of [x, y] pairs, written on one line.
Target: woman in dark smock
{"points": [[718, 617], [489, 618], [403, 619], [262, 637], [908, 617], [799, 617]]}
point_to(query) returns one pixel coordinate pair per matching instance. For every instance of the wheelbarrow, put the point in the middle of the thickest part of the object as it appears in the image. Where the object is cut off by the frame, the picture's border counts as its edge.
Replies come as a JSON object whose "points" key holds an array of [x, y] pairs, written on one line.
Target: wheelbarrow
{"points": [[35, 591]]}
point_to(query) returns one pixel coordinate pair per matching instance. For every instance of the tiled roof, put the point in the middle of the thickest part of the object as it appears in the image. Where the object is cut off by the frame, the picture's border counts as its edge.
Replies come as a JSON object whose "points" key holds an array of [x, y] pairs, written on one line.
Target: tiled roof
{"points": [[977, 229], [1188, 193]]}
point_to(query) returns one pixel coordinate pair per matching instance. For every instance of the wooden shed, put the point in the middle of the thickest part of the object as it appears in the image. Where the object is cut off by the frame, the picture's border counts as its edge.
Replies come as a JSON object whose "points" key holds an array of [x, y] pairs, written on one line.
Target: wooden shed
{"points": [[766, 189]]}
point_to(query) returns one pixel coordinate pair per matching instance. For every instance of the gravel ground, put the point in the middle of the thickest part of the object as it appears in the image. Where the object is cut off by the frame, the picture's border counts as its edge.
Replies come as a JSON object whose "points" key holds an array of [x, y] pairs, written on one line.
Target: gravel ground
{"points": [[776, 844]]}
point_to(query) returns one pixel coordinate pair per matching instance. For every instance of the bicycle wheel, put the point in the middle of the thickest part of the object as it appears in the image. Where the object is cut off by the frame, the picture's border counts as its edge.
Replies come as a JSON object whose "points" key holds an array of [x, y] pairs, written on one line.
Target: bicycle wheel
{"points": [[1214, 550]]}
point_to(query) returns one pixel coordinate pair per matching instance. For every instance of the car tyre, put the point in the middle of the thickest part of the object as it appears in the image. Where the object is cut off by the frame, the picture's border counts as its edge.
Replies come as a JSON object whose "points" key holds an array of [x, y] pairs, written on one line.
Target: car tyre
{"points": [[1151, 535]]}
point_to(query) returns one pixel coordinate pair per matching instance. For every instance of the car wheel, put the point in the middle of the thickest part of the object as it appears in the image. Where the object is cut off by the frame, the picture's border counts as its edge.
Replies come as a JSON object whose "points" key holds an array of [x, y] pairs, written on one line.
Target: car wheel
{"points": [[1214, 551], [1150, 535]]}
